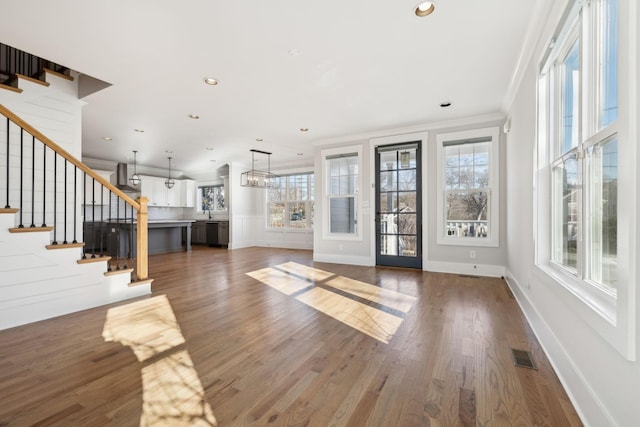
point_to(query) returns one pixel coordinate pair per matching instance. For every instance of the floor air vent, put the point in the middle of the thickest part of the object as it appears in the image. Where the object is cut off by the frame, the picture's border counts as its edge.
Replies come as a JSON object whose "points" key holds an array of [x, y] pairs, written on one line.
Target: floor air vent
{"points": [[523, 359]]}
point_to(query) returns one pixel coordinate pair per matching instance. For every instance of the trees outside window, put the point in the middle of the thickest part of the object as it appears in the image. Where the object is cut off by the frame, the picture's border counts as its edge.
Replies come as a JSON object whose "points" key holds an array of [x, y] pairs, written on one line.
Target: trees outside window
{"points": [[468, 179]]}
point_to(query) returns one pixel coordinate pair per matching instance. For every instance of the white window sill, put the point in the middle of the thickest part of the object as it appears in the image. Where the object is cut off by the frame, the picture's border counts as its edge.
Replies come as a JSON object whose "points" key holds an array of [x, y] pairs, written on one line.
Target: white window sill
{"points": [[601, 301], [288, 230], [468, 241], [341, 236]]}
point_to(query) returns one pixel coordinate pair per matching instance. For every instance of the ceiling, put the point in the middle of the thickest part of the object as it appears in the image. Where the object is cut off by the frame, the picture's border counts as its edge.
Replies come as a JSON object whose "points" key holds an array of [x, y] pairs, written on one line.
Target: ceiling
{"points": [[337, 68]]}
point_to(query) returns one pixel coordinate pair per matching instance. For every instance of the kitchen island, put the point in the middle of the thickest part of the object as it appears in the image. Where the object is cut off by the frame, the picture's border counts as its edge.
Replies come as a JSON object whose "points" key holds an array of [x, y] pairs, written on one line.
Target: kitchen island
{"points": [[167, 235]]}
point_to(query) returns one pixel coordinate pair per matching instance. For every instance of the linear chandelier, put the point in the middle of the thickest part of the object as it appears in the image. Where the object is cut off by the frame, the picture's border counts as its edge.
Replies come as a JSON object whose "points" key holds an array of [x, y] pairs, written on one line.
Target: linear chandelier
{"points": [[257, 178]]}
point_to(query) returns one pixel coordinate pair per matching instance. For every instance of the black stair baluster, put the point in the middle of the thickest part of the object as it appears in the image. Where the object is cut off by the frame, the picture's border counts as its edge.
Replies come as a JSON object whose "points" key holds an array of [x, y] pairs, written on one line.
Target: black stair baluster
{"points": [[85, 222], [118, 233], [64, 241], [33, 181], [105, 244], [7, 205], [93, 213], [101, 219], [75, 204], [21, 167], [132, 237], [124, 251], [55, 198], [44, 185]]}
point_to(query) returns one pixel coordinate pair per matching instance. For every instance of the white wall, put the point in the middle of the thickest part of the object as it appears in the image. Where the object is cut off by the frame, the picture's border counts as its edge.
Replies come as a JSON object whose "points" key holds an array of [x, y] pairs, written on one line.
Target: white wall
{"points": [[245, 216], [490, 261], [603, 385], [345, 251], [56, 112]]}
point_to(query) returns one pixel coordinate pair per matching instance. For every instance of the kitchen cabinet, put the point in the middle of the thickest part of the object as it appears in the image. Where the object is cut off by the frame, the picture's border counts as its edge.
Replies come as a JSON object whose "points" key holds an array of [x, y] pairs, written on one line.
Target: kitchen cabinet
{"points": [[218, 233], [199, 233], [152, 187], [173, 194], [188, 193], [159, 195]]}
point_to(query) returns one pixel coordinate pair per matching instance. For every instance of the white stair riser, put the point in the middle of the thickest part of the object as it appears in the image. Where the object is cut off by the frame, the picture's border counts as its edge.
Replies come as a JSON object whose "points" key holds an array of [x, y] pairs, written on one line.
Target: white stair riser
{"points": [[37, 283]]}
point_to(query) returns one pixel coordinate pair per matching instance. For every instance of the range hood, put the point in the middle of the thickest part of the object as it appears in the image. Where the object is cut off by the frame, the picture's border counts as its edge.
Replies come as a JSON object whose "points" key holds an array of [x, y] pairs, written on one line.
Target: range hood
{"points": [[122, 180]]}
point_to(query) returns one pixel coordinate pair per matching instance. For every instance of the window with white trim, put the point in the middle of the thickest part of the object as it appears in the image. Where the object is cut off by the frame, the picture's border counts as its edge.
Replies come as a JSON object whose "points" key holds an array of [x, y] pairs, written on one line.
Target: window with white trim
{"points": [[468, 199], [211, 198], [578, 135], [290, 202], [342, 168]]}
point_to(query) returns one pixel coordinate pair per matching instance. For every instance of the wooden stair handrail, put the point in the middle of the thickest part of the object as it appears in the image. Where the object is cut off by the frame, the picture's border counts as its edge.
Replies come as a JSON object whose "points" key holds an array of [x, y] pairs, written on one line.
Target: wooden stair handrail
{"points": [[142, 258], [61, 151]]}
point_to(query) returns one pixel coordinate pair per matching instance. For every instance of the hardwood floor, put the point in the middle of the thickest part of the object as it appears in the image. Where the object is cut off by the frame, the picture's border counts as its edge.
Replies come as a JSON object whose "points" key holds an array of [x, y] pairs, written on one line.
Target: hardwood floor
{"points": [[222, 341]]}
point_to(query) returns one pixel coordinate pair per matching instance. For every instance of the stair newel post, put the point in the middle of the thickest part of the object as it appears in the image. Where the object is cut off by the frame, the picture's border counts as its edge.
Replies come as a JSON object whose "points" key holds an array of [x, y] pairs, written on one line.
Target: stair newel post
{"points": [[7, 205], [142, 240], [33, 181]]}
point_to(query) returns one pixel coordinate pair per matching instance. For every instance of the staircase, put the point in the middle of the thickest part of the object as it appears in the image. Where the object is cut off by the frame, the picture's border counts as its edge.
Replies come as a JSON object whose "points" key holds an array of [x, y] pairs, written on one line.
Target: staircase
{"points": [[47, 201]]}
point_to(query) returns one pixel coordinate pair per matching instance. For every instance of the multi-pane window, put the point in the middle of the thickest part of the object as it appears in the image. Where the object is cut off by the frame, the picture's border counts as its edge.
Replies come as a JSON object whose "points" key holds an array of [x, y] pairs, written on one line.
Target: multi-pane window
{"points": [[290, 202], [468, 212], [342, 172], [212, 198], [579, 112]]}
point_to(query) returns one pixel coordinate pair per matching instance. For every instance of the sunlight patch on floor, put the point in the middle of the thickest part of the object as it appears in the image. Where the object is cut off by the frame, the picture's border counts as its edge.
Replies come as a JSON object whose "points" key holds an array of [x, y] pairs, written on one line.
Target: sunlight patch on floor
{"points": [[304, 271], [172, 391], [369, 320], [282, 281], [382, 296], [379, 324]]}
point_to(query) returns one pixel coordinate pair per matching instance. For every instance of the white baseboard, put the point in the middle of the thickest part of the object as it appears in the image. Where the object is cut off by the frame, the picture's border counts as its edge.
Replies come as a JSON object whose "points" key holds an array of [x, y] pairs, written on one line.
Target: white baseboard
{"points": [[589, 407], [286, 245], [344, 259], [464, 268]]}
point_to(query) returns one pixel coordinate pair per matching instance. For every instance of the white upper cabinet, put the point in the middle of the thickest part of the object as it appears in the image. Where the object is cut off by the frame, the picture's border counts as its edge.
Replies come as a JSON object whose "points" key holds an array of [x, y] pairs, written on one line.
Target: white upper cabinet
{"points": [[181, 195]]}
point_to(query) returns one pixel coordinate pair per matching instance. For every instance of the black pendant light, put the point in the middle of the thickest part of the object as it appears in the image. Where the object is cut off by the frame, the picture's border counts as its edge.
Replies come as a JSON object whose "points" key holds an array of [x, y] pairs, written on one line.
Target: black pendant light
{"points": [[135, 178], [169, 182]]}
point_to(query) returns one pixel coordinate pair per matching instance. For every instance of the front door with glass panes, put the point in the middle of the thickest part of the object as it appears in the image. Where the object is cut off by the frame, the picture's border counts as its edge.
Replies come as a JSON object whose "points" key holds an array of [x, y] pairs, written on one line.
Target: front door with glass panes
{"points": [[398, 205]]}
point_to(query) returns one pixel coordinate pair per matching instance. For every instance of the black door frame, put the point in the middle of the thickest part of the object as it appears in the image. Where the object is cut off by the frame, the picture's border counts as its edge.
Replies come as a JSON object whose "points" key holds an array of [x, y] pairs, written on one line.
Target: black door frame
{"points": [[398, 260]]}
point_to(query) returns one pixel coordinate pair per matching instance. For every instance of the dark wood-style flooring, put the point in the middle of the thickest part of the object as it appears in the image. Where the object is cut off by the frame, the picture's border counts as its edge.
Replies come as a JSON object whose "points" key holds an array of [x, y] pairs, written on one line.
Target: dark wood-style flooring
{"points": [[216, 346]]}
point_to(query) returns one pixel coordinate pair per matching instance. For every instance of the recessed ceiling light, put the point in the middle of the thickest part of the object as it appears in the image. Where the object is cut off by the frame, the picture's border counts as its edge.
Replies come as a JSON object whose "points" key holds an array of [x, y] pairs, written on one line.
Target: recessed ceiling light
{"points": [[212, 160], [210, 81], [208, 148], [304, 129], [194, 116], [425, 8], [300, 154], [295, 52], [168, 151], [259, 139], [445, 104], [107, 138], [139, 130]]}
